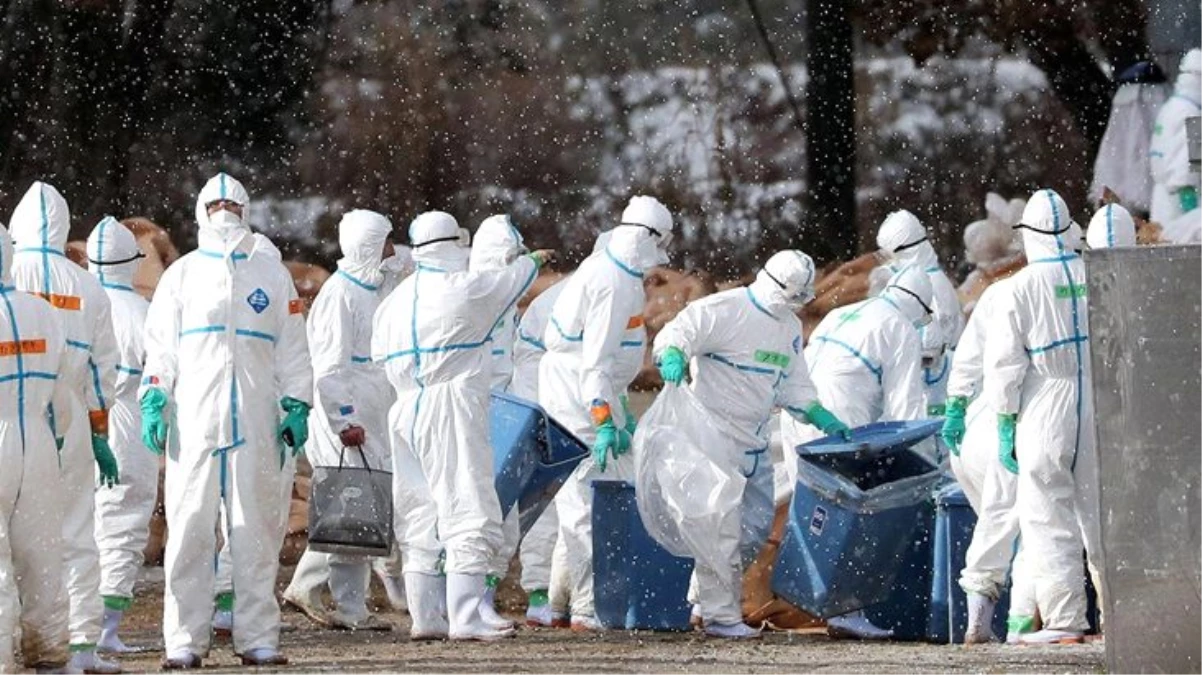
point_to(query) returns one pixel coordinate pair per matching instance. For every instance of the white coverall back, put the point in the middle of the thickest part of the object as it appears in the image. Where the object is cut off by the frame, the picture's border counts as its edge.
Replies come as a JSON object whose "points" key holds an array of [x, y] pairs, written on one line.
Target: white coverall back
{"points": [[225, 339], [32, 590], [745, 360], [1168, 156], [40, 225], [123, 511], [431, 334], [866, 363], [1037, 365], [595, 343]]}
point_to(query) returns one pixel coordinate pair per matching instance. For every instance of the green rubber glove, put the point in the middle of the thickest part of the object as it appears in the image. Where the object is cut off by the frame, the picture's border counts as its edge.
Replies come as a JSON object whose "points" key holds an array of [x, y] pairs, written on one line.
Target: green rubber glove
{"points": [[936, 410], [1006, 425], [826, 421], [1187, 197], [294, 429], [606, 443], [154, 427], [631, 423], [953, 423], [105, 461], [673, 364]]}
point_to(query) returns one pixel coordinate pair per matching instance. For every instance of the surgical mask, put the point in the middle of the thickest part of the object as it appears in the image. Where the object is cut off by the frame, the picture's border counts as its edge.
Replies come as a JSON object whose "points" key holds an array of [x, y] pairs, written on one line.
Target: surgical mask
{"points": [[923, 321], [224, 223]]}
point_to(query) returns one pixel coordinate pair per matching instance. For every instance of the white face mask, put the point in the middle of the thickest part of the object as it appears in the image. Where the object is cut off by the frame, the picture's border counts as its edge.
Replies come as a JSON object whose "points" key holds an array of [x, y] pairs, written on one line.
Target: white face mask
{"points": [[225, 223]]}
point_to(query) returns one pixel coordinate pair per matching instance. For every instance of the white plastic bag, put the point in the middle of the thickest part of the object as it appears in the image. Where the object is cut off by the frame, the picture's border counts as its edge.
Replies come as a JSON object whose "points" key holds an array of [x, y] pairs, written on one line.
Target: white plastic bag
{"points": [[687, 479]]}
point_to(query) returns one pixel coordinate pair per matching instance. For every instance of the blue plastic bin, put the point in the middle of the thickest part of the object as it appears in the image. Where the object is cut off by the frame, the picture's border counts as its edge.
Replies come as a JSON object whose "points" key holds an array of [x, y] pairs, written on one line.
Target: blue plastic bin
{"points": [[853, 514], [954, 524], [637, 584], [532, 456]]}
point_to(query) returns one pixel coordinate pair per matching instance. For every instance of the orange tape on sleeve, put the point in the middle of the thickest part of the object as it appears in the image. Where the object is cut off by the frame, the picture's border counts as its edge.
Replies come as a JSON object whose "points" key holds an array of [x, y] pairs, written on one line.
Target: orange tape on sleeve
{"points": [[22, 347], [99, 419], [296, 306]]}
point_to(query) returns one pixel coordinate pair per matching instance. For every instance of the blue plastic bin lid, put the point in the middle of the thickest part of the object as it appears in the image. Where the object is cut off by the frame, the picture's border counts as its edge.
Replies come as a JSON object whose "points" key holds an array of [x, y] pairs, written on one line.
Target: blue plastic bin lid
{"points": [[877, 438]]}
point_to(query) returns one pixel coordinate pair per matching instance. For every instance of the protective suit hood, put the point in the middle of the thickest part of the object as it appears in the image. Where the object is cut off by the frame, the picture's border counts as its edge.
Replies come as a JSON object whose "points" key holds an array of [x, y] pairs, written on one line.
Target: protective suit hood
{"points": [[497, 244], [1047, 227], [904, 240], [438, 241], [646, 231], [361, 236], [786, 283], [1111, 226], [911, 292], [212, 234], [6, 259], [113, 253], [265, 247], [1189, 75], [41, 219]]}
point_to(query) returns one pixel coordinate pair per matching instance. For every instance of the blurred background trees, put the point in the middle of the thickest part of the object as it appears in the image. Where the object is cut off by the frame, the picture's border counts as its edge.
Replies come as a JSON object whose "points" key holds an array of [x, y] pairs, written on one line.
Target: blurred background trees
{"points": [[557, 111]]}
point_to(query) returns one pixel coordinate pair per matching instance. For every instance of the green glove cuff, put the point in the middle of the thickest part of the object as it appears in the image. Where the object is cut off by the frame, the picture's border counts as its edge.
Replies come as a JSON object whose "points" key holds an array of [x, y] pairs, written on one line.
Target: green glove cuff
{"points": [[955, 406], [818, 415], [673, 352], [1006, 426]]}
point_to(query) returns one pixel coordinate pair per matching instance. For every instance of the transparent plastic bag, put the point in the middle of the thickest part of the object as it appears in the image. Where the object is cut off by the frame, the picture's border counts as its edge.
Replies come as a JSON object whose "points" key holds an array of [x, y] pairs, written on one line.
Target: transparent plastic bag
{"points": [[687, 483]]}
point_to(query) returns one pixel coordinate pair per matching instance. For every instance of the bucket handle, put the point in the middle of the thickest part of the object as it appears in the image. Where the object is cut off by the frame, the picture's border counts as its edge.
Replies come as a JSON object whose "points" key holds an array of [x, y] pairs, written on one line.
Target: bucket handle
{"points": [[362, 455]]}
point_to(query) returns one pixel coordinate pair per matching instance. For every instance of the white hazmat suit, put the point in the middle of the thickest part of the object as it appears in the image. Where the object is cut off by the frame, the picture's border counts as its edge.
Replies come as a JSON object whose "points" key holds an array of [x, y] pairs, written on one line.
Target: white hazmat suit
{"points": [[904, 240], [1122, 160], [990, 488], [123, 511], [1174, 189], [866, 363], [1037, 367], [225, 340], [744, 348], [349, 390], [32, 591], [595, 343], [431, 334], [40, 225]]}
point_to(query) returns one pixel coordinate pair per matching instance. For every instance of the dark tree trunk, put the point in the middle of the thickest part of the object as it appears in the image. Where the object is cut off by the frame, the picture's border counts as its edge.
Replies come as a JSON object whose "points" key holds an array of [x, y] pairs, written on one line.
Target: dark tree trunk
{"points": [[1074, 76], [830, 129]]}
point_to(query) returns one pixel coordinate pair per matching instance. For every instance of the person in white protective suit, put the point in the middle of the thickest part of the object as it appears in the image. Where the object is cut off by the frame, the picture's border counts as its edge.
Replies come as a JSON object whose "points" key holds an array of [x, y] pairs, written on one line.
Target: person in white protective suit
{"points": [[351, 399], [903, 241], [123, 512], [1175, 190], [1122, 160], [431, 334], [970, 432], [1037, 378], [742, 349], [1111, 226], [866, 363], [33, 352], [40, 225], [547, 597], [495, 240], [225, 343], [595, 343]]}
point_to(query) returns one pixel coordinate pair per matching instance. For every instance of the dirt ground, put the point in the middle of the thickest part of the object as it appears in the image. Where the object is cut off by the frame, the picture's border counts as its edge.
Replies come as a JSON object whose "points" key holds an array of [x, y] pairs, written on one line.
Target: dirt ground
{"points": [[312, 649]]}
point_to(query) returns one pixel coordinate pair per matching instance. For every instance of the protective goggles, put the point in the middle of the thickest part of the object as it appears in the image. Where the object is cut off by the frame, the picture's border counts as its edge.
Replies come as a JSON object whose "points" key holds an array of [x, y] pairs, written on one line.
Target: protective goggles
{"points": [[802, 296], [925, 307], [664, 239]]}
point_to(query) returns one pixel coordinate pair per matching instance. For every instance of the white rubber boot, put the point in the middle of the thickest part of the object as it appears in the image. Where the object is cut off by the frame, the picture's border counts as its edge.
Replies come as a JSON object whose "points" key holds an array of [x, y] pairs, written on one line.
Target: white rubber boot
{"points": [[395, 588], [855, 626], [738, 631], [88, 661], [1052, 637], [427, 599], [980, 619], [538, 611], [488, 609], [465, 593], [110, 642]]}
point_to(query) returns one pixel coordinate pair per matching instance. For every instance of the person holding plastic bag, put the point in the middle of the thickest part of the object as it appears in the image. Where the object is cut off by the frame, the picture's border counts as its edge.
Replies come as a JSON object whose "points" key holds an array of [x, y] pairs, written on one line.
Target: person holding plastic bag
{"points": [[595, 343], [866, 362], [431, 335], [704, 481], [351, 398]]}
